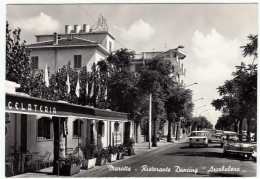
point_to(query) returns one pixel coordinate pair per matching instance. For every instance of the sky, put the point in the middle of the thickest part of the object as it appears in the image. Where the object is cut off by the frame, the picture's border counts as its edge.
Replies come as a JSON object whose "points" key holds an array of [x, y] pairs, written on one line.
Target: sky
{"points": [[210, 33]]}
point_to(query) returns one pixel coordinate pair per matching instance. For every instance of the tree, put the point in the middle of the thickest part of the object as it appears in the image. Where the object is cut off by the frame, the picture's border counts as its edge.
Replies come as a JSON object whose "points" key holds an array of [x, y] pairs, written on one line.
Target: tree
{"points": [[250, 49], [18, 65], [155, 79], [239, 95], [123, 93], [224, 123], [178, 104], [200, 122]]}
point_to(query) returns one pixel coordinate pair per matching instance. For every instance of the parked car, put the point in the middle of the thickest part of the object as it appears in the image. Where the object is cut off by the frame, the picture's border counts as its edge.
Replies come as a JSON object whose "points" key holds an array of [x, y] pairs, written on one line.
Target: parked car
{"points": [[215, 138], [198, 138], [224, 136], [218, 135], [252, 135], [238, 144]]}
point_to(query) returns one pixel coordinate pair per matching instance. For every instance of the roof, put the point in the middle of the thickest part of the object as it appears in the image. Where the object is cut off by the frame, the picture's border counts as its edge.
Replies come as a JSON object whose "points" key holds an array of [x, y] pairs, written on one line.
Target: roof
{"points": [[67, 42], [89, 33]]}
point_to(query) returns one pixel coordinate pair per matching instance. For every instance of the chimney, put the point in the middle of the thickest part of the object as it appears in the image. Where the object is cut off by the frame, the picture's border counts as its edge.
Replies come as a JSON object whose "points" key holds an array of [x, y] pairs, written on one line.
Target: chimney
{"points": [[56, 41], [68, 29], [76, 28], [86, 28]]}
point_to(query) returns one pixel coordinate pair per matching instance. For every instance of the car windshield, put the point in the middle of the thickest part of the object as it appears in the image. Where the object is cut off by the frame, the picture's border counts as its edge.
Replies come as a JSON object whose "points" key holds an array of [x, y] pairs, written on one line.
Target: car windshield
{"points": [[198, 134]]}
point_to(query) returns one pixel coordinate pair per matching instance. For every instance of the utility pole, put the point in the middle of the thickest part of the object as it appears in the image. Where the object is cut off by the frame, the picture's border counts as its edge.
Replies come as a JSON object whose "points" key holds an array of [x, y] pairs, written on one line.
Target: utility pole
{"points": [[150, 120]]}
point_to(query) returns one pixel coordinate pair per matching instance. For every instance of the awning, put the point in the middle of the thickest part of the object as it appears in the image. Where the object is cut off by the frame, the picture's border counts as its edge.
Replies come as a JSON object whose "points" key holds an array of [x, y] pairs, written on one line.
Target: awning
{"points": [[36, 106]]}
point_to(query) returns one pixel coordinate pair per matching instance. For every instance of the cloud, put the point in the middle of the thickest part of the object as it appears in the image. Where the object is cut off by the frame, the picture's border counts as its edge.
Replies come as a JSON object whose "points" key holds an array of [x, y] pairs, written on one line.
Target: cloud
{"points": [[40, 24], [138, 31], [215, 56]]}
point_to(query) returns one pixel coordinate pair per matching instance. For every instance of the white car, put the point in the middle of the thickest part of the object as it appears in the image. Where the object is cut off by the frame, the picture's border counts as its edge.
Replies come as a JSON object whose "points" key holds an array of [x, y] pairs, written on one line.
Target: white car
{"points": [[239, 144], [198, 138]]}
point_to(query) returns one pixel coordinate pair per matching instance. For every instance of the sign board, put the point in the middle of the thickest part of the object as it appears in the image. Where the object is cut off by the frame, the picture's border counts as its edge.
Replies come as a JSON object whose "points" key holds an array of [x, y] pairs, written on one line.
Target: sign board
{"points": [[32, 105]]}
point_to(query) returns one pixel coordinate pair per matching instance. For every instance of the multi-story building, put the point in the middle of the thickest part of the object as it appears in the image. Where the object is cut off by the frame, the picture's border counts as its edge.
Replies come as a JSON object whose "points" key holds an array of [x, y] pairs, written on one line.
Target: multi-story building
{"points": [[82, 47], [174, 55]]}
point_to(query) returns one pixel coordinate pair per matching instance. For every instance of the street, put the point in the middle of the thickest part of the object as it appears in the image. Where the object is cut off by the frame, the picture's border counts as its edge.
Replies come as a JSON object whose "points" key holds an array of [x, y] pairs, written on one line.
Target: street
{"points": [[178, 160]]}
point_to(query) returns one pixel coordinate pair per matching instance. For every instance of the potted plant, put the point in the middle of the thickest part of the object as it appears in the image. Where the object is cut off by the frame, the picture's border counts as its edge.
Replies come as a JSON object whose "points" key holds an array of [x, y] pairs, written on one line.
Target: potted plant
{"points": [[130, 147], [112, 153], [121, 152], [89, 160], [69, 166], [101, 155]]}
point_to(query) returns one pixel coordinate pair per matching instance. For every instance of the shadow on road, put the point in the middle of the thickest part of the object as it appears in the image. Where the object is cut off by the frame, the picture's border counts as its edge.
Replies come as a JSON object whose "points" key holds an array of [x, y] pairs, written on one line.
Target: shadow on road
{"points": [[219, 174], [198, 154], [224, 175], [210, 155], [210, 146]]}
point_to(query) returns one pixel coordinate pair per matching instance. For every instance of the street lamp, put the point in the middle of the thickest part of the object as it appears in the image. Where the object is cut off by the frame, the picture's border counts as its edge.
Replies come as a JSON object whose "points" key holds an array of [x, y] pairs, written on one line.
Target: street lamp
{"points": [[198, 108], [191, 84], [198, 99]]}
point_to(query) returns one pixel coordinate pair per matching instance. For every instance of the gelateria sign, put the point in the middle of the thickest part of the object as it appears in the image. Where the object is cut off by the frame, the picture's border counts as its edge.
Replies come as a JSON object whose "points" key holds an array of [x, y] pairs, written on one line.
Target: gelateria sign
{"points": [[29, 105]]}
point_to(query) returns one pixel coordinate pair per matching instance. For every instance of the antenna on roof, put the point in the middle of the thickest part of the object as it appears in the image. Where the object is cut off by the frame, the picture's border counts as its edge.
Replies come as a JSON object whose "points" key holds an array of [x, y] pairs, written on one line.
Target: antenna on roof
{"points": [[100, 25]]}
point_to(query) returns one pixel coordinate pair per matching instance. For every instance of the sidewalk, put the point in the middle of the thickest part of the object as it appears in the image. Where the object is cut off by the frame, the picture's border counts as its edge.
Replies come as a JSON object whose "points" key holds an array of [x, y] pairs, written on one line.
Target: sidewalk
{"points": [[140, 149]]}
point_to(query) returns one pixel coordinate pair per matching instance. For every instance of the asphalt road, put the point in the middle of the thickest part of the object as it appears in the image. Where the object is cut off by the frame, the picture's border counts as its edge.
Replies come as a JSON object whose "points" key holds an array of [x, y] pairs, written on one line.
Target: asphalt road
{"points": [[179, 160]]}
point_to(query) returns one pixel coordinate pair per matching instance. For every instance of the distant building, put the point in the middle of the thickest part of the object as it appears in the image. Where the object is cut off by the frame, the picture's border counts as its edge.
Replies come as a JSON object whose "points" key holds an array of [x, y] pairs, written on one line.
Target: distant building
{"points": [[82, 47], [174, 55]]}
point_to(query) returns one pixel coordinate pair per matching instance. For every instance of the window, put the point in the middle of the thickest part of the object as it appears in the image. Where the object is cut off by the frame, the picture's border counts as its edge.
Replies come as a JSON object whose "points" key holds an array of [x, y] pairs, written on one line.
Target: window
{"points": [[44, 129], [35, 63], [110, 46], [77, 61], [78, 128]]}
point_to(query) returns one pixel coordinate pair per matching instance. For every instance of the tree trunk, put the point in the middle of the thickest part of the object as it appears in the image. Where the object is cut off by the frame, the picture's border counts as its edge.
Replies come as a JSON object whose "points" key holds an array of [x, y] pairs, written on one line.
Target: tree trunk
{"points": [[154, 138], [240, 125], [249, 128], [169, 136], [178, 129], [236, 126], [57, 129], [138, 132], [173, 128]]}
